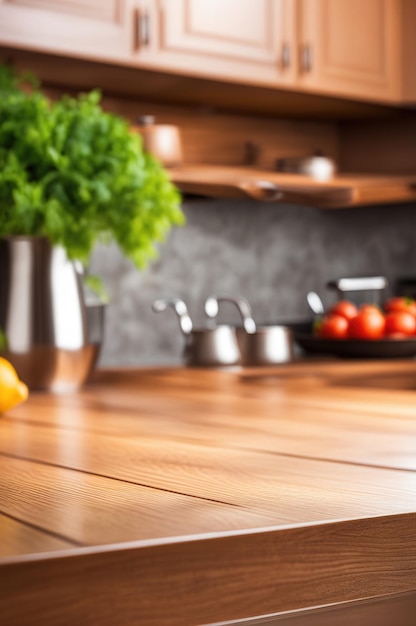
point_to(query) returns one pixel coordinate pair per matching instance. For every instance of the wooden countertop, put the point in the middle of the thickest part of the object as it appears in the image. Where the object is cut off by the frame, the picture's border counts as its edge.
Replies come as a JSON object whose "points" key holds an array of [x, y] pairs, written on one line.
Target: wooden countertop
{"points": [[184, 497]]}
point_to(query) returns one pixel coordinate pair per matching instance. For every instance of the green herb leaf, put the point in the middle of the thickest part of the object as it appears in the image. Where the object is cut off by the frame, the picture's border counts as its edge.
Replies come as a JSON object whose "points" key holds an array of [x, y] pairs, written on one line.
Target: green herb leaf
{"points": [[78, 175], [3, 341], [97, 287]]}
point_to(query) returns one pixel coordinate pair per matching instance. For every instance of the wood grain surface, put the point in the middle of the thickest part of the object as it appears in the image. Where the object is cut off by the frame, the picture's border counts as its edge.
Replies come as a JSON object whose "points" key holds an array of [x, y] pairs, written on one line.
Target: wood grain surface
{"points": [[180, 496], [156, 87], [393, 609], [341, 191]]}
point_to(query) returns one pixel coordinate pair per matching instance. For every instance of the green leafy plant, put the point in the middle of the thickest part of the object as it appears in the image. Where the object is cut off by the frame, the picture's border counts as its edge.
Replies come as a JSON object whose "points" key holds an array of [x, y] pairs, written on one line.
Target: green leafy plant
{"points": [[77, 175], [3, 340]]}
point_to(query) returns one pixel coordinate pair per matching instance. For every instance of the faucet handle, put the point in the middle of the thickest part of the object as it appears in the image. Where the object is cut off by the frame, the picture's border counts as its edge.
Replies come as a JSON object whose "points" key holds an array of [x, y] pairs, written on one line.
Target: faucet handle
{"points": [[180, 308], [212, 308]]}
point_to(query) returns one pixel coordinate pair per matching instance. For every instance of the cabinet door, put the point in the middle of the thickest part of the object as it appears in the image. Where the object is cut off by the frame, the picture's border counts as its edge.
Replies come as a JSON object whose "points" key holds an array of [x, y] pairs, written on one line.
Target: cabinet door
{"points": [[91, 28], [351, 47], [243, 40]]}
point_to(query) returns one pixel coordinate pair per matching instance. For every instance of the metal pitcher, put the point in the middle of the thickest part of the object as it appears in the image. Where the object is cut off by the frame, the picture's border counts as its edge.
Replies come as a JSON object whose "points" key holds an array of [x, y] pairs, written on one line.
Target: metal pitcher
{"points": [[43, 314]]}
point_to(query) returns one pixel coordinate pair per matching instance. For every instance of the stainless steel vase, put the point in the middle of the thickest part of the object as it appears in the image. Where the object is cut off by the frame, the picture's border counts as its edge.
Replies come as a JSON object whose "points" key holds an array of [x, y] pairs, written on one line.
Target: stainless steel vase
{"points": [[43, 314]]}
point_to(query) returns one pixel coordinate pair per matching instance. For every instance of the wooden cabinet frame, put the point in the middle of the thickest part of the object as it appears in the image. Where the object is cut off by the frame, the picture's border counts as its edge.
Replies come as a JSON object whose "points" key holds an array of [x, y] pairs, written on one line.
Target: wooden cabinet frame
{"points": [[279, 44]]}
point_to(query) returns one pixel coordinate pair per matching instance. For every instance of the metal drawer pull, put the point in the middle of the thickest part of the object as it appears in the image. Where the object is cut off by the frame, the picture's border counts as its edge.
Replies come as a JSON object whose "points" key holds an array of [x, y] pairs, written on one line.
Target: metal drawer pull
{"points": [[286, 60], [141, 29], [306, 58]]}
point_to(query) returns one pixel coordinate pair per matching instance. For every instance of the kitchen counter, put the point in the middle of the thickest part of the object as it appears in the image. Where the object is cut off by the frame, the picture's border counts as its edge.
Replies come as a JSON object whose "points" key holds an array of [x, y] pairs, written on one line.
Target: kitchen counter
{"points": [[184, 497]]}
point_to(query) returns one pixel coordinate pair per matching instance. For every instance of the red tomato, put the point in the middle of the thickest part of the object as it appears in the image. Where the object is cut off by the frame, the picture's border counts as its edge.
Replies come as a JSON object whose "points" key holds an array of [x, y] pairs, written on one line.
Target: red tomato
{"points": [[333, 327], [407, 305], [368, 324], [400, 322], [345, 308]]}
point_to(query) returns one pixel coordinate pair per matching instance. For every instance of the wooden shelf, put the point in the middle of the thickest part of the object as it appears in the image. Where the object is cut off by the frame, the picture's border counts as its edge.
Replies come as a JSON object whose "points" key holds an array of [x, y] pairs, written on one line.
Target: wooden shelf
{"points": [[345, 190]]}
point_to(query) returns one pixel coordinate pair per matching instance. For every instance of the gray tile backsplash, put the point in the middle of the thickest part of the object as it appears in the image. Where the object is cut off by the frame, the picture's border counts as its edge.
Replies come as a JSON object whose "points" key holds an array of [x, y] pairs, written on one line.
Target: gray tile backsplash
{"points": [[271, 254]]}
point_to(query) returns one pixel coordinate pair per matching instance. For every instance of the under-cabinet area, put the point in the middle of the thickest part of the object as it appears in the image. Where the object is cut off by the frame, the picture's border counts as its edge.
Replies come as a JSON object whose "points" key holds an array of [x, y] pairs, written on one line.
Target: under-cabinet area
{"points": [[344, 48], [334, 60], [233, 152]]}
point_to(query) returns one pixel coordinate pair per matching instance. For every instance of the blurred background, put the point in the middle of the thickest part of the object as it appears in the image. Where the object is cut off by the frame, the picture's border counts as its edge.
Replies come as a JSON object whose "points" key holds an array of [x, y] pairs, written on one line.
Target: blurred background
{"points": [[255, 91]]}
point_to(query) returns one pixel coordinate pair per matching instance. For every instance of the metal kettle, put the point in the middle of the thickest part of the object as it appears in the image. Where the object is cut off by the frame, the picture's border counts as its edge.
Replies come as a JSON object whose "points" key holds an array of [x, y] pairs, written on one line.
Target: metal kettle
{"points": [[213, 346]]}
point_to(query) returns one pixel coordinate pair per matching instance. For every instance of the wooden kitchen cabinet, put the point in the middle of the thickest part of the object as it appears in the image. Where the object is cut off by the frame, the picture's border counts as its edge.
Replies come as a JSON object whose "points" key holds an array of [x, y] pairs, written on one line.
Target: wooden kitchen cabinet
{"points": [[239, 40], [408, 51], [351, 48], [347, 48], [250, 41], [94, 29], [343, 48]]}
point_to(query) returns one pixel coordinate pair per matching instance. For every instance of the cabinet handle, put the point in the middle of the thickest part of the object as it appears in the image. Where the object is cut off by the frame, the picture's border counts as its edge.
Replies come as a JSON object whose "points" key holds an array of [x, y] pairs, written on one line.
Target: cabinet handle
{"points": [[286, 56], [141, 29], [306, 58]]}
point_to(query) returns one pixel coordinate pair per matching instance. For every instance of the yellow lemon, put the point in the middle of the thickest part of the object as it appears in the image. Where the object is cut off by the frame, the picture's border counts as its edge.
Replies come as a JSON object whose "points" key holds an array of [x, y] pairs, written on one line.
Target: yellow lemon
{"points": [[12, 390]]}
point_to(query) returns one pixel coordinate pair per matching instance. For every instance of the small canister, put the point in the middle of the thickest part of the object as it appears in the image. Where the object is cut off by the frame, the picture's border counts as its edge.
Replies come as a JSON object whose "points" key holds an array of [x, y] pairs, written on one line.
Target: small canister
{"points": [[161, 140]]}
